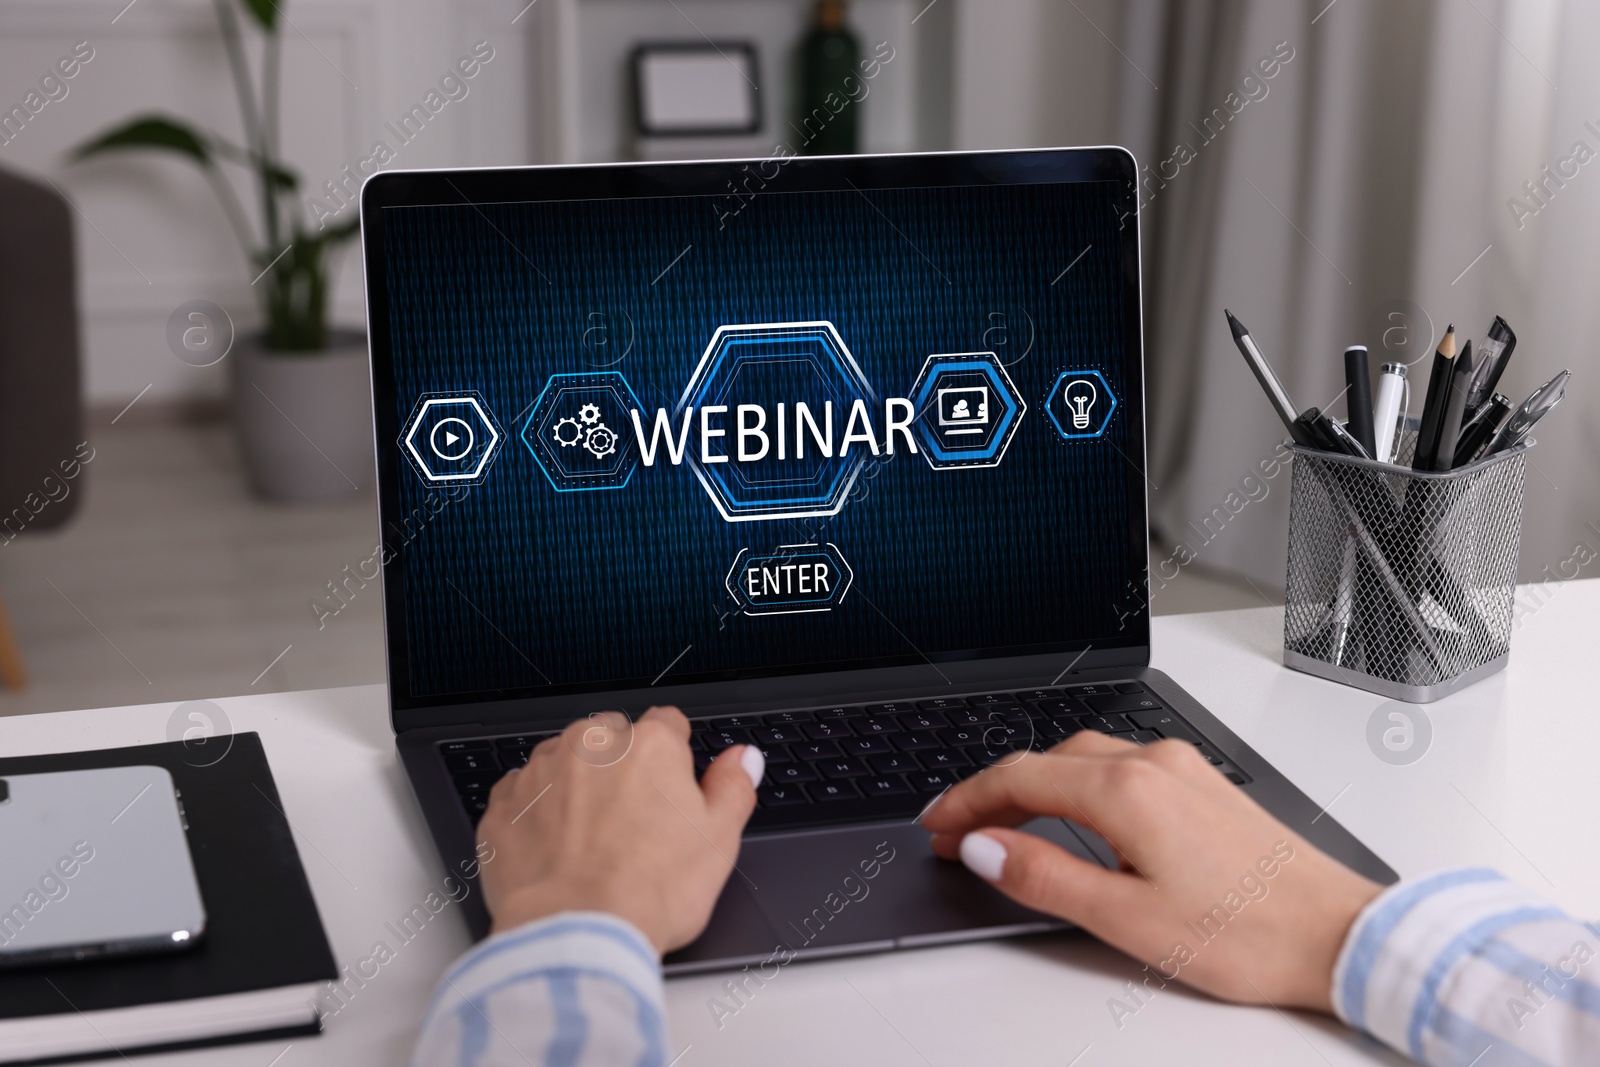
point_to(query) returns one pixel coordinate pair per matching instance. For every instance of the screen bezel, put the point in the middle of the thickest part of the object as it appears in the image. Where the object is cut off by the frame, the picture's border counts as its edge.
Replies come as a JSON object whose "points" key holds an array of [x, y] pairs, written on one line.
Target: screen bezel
{"points": [[1130, 647]]}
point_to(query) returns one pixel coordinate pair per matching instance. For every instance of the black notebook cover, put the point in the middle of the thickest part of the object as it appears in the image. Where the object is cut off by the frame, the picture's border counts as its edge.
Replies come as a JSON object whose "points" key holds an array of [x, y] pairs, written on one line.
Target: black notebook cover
{"points": [[262, 926]]}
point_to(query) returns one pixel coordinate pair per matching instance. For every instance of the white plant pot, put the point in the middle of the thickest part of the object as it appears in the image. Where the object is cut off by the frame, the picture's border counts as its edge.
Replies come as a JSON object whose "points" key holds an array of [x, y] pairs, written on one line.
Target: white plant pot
{"points": [[304, 418]]}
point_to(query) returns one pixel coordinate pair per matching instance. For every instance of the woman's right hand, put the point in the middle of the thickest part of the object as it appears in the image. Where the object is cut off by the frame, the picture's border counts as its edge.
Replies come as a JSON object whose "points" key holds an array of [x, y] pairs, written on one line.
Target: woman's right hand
{"points": [[1213, 890]]}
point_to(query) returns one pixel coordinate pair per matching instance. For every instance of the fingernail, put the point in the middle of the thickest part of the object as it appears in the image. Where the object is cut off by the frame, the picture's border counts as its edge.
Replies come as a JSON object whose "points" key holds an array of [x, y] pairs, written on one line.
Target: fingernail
{"points": [[984, 856], [754, 763]]}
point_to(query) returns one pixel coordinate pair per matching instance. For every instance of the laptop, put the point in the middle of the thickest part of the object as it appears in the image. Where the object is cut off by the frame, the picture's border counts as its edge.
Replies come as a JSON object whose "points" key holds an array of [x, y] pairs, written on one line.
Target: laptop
{"points": [[845, 457]]}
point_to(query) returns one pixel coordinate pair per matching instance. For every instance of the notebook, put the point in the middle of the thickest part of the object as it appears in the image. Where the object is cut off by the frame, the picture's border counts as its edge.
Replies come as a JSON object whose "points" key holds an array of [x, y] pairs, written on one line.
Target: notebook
{"points": [[257, 972]]}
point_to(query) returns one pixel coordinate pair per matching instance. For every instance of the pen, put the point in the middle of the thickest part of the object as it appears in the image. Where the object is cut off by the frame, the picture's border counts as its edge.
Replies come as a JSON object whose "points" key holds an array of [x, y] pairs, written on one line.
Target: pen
{"points": [[1269, 382], [1493, 355], [1389, 415], [1532, 410], [1344, 438], [1311, 428], [1433, 405], [1484, 424], [1325, 435], [1307, 431], [1344, 598], [1455, 408], [1358, 398], [1401, 597]]}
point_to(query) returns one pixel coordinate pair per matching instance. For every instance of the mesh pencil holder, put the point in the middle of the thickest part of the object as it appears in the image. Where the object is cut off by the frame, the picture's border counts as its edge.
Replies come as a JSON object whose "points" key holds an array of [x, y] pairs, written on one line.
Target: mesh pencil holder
{"points": [[1400, 582]]}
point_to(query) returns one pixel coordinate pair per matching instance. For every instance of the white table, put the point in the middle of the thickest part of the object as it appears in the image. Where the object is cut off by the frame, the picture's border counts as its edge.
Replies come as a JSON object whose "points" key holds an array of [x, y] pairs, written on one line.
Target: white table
{"points": [[1510, 780]]}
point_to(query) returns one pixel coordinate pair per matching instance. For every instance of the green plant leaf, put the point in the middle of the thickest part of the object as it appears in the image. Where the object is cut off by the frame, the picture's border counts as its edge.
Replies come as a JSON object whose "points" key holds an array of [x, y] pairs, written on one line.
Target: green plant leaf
{"points": [[265, 12], [280, 177], [334, 235], [150, 131]]}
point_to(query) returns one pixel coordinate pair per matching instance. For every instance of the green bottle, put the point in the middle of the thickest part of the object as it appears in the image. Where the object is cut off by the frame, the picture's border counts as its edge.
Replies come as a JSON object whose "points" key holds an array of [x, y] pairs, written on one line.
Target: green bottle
{"points": [[829, 117]]}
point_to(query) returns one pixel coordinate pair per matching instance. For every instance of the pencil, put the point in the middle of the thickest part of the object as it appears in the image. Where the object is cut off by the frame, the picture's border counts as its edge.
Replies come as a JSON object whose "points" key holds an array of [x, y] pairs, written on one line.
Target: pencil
{"points": [[1455, 406], [1433, 407]]}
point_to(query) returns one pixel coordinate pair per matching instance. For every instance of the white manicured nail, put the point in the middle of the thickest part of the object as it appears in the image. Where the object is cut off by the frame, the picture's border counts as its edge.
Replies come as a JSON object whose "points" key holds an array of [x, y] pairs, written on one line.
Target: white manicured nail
{"points": [[754, 763], [984, 856]]}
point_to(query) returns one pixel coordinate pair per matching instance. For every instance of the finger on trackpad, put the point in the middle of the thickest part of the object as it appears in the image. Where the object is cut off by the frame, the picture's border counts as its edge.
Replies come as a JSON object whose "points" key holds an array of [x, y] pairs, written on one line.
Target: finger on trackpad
{"points": [[876, 885]]}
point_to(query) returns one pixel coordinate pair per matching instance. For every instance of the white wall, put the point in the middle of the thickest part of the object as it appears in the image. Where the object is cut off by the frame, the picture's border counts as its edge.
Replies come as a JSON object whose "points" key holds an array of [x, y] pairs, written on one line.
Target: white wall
{"points": [[1036, 72], [609, 29], [967, 73], [149, 233]]}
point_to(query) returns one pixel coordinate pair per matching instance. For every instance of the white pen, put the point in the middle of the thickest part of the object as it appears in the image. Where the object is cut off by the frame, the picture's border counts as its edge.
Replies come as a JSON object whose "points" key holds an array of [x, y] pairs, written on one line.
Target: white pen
{"points": [[1389, 413]]}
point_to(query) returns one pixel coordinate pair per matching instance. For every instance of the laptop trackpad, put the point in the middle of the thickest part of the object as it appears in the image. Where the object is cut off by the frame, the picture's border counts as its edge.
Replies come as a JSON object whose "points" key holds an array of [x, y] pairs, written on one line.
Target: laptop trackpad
{"points": [[879, 885]]}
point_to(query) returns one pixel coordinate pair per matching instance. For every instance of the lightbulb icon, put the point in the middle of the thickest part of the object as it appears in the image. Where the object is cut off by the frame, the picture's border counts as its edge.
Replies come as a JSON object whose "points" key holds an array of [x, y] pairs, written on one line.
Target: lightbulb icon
{"points": [[1080, 396]]}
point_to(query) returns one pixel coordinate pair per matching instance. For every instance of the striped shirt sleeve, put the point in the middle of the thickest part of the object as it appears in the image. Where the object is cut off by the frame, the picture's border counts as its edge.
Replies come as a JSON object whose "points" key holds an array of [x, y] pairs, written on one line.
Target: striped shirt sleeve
{"points": [[1465, 968], [580, 989]]}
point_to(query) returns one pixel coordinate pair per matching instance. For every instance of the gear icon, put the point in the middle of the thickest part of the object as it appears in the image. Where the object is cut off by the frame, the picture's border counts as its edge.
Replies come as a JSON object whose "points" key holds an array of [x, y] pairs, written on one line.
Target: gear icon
{"points": [[600, 441], [589, 413], [574, 436]]}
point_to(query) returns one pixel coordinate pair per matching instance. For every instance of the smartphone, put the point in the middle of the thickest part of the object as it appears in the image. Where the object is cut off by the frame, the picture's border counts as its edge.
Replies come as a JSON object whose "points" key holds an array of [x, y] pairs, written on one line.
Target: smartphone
{"points": [[95, 863]]}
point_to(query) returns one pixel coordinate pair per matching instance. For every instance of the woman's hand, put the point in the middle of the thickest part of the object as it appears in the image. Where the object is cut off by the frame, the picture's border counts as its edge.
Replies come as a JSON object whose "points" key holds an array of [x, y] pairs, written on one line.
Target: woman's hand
{"points": [[607, 816], [1213, 890]]}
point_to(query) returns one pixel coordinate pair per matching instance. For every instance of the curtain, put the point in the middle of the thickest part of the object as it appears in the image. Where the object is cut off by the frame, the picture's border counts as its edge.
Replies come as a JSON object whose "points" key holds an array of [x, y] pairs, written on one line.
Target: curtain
{"points": [[1339, 174], [1515, 151]]}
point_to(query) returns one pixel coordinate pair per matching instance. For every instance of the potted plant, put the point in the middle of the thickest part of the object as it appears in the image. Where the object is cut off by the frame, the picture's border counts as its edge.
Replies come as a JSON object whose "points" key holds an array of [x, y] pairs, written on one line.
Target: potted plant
{"points": [[301, 403]]}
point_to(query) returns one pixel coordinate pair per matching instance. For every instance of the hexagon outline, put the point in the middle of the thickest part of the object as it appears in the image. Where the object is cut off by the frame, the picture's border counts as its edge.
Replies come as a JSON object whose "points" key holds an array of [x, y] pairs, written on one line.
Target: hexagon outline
{"points": [[819, 324], [827, 510], [835, 342], [844, 481], [748, 484], [561, 391], [838, 557], [1056, 387], [991, 366], [1014, 405], [533, 413], [851, 468], [488, 453]]}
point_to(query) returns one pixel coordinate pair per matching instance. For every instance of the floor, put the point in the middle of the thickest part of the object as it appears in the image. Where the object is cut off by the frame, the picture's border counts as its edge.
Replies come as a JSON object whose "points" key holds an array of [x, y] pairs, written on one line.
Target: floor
{"points": [[173, 583]]}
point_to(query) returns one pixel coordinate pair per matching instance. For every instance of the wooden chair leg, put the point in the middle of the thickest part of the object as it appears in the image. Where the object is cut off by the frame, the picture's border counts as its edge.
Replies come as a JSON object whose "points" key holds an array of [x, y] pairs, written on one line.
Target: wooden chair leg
{"points": [[12, 673]]}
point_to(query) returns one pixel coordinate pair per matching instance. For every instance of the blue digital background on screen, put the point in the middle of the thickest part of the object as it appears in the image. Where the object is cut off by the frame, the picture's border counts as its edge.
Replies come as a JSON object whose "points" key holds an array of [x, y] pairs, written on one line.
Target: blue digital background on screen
{"points": [[568, 562]]}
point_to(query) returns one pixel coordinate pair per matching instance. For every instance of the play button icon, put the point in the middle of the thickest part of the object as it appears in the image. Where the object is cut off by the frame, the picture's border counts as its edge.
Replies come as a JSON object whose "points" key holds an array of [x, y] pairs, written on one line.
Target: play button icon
{"points": [[451, 439]]}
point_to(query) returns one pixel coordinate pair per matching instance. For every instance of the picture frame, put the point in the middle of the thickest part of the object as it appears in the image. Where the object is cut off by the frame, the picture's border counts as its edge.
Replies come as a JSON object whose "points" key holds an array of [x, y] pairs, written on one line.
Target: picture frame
{"points": [[696, 88]]}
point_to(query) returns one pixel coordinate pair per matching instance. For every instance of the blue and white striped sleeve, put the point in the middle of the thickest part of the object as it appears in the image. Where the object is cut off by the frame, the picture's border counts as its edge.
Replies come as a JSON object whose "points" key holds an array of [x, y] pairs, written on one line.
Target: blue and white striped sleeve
{"points": [[580, 989], [1464, 967]]}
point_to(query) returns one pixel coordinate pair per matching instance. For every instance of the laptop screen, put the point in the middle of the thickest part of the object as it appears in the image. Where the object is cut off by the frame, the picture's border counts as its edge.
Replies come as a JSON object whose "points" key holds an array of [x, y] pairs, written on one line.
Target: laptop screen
{"points": [[638, 434]]}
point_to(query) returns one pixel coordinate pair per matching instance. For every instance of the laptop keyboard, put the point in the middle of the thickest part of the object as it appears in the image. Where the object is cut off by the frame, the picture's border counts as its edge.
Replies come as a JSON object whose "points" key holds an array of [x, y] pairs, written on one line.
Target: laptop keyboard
{"points": [[883, 760]]}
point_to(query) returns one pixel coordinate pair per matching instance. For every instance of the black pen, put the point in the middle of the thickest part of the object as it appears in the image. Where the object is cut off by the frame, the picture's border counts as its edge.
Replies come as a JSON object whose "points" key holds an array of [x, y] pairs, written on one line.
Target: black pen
{"points": [[1433, 407], [1325, 435], [1485, 422], [1308, 431], [1344, 439], [1455, 408], [1358, 398], [1493, 355]]}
